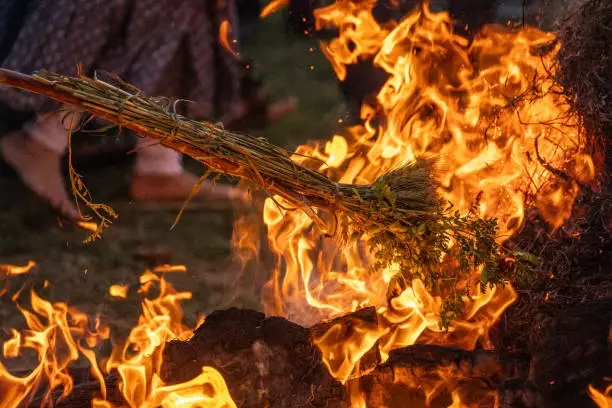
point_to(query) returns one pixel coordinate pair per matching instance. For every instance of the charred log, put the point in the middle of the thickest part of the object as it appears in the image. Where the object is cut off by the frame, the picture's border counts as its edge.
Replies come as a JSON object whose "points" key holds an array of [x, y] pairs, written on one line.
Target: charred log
{"points": [[517, 393], [85, 390], [273, 362], [263, 360], [428, 376]]}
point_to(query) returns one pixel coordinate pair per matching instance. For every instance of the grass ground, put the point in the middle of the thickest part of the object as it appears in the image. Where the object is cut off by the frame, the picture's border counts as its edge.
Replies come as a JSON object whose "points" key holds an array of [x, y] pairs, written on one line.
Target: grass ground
{"points": [[82, 274]]}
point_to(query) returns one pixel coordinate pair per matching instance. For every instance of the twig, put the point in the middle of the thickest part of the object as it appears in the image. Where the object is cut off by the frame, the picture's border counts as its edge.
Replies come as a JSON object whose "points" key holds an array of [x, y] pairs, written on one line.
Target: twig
{"points": [[559, 173]]}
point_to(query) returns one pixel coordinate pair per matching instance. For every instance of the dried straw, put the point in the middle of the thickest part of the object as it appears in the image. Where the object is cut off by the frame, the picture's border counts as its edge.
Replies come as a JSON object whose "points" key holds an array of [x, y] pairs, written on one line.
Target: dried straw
{"points": [[411, 187]]}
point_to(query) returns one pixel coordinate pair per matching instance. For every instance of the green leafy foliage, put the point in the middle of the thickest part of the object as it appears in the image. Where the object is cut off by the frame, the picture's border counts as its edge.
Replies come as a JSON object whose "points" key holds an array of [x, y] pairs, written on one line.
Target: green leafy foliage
{"points": [[442, 249]]}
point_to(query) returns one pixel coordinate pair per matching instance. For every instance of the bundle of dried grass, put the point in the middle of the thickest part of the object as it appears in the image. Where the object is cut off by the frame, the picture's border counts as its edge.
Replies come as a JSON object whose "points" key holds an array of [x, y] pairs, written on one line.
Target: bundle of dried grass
{"points": [[411, 187], [406, 222]]}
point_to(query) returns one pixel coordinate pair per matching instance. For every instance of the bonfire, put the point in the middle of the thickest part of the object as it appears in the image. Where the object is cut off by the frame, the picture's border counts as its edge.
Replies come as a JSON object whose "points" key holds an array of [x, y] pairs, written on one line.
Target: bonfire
{"points": [[400, 244]]}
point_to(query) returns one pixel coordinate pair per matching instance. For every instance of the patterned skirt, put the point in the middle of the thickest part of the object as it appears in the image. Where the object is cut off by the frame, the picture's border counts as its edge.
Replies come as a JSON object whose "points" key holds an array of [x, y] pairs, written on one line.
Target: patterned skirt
{"points": [[163, 47]]}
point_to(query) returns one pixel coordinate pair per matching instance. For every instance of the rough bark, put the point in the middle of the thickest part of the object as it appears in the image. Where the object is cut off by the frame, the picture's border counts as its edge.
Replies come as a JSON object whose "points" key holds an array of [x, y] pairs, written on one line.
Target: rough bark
{"points": [[477, 377], [273, 362], [261, 359], [85, 389]]}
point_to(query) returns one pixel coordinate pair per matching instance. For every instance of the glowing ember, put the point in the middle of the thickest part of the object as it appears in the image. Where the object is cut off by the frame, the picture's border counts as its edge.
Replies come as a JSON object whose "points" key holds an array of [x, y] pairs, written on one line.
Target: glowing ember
{"points": [[60, 335], [118, 291], [471, 105]]}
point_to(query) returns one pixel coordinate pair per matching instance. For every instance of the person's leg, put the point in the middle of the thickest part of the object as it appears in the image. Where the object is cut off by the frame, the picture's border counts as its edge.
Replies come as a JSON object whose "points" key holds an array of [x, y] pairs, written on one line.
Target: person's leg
{"points": [[51, 131], [158, 175], [35, 153], [154, 159], [187, 71]]}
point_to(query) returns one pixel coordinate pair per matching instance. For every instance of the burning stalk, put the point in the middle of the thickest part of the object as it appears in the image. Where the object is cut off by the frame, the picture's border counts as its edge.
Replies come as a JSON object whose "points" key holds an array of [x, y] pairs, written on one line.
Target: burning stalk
{"points": [[405, 220]]}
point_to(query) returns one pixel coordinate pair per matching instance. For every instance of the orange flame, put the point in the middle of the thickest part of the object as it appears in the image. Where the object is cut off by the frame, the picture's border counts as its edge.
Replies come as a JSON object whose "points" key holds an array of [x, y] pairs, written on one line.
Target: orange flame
{"points": [[169, 268], [273, 7], [11, 270], [603, 399], [464, 103], [60, 335], [245, 240], [138, 360], [224, 30]]}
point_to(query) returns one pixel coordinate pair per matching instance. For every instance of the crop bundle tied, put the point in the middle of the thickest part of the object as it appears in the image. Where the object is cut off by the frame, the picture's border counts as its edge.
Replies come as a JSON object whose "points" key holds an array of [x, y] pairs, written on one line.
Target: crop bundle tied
{"points": [[404, 220]]}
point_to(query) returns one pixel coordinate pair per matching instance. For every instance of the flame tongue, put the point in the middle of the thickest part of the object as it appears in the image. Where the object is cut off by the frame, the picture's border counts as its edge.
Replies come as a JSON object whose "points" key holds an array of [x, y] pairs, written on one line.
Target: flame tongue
{"points": [[489, 110], [11, 270], [603, 399], [60, 335], [138, 360]]}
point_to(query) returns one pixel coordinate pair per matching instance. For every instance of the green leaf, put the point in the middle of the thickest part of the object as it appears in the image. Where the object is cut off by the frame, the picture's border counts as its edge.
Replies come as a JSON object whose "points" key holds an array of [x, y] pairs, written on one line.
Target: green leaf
{"points": [[421, 229], [527, 257]]}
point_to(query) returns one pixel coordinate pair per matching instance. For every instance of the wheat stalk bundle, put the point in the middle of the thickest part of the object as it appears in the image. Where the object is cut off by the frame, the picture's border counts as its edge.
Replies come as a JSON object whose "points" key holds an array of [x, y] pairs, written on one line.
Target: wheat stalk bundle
{"points": [[256, 159]]}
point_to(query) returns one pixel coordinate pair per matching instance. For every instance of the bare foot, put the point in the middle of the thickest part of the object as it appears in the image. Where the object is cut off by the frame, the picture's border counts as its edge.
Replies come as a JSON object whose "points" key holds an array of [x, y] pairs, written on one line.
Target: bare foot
{"points": [[177, 187], [40, 170]]}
